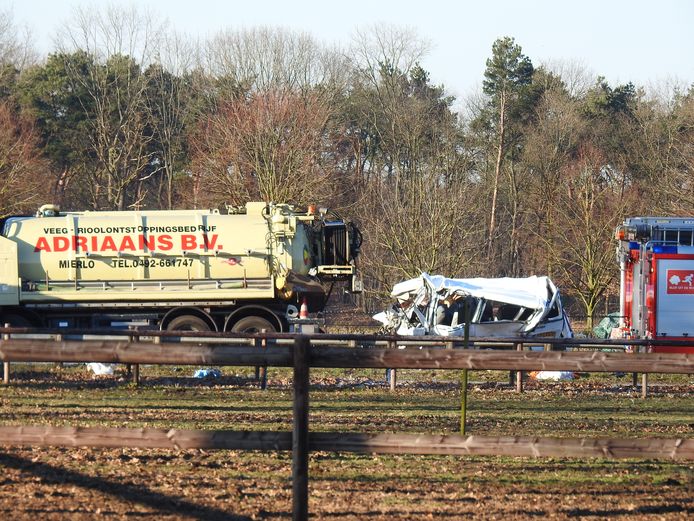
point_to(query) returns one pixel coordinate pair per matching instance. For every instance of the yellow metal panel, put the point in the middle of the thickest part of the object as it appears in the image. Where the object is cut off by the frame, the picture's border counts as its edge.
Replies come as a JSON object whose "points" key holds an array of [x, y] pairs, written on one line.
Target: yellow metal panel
{"points": [[111, 246]]}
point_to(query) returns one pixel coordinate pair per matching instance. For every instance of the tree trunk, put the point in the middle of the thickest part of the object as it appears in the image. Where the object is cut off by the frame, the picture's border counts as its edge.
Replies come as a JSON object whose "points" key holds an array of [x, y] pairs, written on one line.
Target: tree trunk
{"points": [[497, 172]]}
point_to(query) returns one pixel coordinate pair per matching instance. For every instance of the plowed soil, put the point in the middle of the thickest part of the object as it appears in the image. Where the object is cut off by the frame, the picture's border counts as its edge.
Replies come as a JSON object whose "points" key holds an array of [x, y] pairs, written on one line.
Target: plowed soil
{"points": [[81, 483]]}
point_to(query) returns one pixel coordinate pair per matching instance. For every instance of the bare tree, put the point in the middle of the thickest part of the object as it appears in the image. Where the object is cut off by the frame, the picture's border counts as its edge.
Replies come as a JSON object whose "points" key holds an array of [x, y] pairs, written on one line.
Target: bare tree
{"points": [[662, 150], [552, 144], [383, 58], [417, 207], [24, 178], [583, 247], [171, 109], [420, 224], [16, 43], [265, 59], [119, 41], [381, 45], [576, 76], [271, 146]]}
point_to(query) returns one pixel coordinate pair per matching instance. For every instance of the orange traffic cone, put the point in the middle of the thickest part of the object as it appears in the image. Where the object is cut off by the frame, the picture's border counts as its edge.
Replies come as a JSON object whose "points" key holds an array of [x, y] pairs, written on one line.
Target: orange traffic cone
{"points": [[303, 311]]}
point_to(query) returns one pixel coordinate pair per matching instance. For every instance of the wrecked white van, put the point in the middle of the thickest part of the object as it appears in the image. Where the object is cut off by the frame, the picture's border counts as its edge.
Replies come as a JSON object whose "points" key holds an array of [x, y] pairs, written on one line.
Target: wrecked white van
{"points": [[501, 307]]}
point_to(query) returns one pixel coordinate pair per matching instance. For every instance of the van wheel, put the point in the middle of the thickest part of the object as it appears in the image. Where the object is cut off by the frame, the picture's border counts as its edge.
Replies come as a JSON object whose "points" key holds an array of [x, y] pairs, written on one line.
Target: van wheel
{"points": [[188, 323], [253, 325]]}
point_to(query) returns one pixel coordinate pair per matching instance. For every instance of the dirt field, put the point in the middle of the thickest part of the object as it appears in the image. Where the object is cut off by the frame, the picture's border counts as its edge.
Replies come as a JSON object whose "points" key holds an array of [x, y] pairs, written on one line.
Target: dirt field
{"points": [[96, 484], [63, 483]]}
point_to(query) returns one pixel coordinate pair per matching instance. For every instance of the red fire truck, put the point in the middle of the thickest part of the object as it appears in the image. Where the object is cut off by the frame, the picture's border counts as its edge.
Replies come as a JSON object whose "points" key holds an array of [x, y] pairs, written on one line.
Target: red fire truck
{"points": [[656, 258]]}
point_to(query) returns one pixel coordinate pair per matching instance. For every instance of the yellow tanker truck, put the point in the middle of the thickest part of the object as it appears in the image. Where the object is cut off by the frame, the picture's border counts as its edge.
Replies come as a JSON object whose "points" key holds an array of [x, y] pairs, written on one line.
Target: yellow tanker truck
{"points": [[243, 270]]}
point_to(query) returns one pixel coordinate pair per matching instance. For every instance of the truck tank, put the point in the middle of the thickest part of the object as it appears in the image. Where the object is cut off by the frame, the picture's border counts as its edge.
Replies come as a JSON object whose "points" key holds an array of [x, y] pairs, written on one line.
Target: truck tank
{"points": [[269, 252]]}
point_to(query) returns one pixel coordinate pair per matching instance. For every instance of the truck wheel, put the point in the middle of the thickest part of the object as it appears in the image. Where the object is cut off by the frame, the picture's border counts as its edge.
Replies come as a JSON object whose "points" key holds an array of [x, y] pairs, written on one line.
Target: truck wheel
{"points": [[253, 325], [188, 323]]}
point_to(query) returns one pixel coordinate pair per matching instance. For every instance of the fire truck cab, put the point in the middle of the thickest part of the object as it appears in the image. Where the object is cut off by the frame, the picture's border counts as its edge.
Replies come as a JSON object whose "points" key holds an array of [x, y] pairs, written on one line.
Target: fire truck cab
{"points": [[656, 259]]}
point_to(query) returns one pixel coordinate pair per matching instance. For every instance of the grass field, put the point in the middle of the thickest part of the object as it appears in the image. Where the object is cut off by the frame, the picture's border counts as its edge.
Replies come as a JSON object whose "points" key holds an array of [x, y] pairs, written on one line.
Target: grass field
{"points": [[65, 483]]}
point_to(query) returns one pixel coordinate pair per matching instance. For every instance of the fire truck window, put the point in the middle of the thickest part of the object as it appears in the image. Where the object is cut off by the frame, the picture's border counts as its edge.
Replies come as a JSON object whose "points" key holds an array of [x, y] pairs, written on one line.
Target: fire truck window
{"points": [[686, 238], [671, 235]]}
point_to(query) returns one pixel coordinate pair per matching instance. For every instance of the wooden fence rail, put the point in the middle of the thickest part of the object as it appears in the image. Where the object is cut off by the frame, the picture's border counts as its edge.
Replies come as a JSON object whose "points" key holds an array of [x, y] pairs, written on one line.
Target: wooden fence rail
{"points": [[358, 338], [452, 444], [301, 356], [113, 351]]}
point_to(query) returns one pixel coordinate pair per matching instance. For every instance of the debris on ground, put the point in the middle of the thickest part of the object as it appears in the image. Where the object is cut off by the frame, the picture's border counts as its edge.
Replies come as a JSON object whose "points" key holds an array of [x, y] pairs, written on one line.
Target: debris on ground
{"points": [[211, 372], [552, 376], [100, 369]]}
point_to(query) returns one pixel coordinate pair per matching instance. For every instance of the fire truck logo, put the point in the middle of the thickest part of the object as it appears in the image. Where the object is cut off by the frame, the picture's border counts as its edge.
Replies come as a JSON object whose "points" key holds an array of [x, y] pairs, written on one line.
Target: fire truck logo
{"points": [[680, 282]]}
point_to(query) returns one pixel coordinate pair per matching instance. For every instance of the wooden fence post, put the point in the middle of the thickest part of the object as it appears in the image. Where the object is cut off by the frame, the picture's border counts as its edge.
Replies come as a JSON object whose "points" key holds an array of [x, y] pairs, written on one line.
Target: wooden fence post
{"points": [[136, 374], [261, 371], [463, 401], [135, 367], [302, 356], [463, 376], [262, 375], [58, 339], [644, 378], [6, 365], [519, 374], [256, 343], [392, 374]]}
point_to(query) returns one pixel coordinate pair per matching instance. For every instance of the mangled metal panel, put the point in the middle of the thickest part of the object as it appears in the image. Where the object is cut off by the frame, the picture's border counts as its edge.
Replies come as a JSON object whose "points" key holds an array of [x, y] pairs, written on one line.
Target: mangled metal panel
{"points": [[500, 307]]}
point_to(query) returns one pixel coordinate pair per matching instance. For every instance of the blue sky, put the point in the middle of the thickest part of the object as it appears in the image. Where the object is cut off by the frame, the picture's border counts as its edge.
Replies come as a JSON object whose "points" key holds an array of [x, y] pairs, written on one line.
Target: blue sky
{"points": [[646, 42]]}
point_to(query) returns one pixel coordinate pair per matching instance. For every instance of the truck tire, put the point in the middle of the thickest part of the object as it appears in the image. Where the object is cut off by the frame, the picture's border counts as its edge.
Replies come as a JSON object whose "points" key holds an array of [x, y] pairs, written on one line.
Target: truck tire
{"points": [[253, 325], [188, 323]]}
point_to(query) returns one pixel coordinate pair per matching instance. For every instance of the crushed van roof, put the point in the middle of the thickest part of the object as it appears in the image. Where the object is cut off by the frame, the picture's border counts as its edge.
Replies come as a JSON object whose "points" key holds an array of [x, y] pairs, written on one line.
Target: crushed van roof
{"points": [[529, 292]]}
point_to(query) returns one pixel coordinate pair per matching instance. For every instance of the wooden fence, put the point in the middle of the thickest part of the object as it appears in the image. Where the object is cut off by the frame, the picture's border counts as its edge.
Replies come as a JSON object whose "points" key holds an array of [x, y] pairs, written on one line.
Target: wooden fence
{"points": [[301, 356]]}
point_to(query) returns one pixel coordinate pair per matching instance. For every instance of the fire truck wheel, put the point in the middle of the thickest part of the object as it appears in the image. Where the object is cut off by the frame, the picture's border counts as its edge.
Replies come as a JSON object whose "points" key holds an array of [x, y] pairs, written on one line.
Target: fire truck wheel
{"points": [[188, 323], [253, 325]]}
